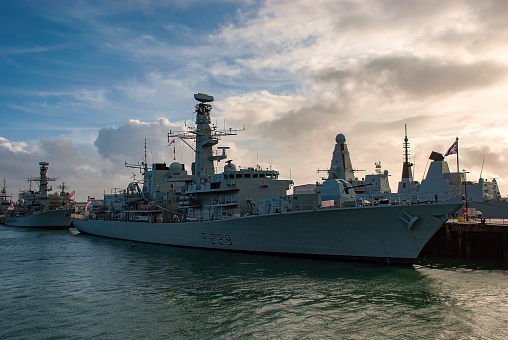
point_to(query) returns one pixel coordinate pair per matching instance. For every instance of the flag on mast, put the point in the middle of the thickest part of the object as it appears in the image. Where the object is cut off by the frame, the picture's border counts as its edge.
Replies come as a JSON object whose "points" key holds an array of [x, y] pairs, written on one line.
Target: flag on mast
{"points": [[174, 149], [452, 150]]}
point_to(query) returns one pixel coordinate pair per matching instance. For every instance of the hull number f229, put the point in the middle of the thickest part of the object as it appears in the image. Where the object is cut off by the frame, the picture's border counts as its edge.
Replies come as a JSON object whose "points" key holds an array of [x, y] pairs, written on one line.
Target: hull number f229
{"points": [[211, 238]]}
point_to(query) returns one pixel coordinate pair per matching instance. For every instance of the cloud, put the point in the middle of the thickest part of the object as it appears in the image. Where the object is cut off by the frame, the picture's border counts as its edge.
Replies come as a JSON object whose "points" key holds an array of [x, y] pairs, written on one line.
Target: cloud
{"points": [[126, 143], [14, 147], [77, 166], [29, 50], [416, 77]]}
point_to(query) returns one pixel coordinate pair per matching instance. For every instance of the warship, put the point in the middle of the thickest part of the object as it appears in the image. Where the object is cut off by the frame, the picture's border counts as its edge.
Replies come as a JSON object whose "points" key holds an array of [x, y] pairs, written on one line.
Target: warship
{"points": [[39, 209], [249, 209]]}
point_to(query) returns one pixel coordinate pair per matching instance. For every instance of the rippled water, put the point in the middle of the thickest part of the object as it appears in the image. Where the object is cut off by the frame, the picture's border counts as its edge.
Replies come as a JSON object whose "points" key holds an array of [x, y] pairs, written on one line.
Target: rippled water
{"points": [[55, 285]]}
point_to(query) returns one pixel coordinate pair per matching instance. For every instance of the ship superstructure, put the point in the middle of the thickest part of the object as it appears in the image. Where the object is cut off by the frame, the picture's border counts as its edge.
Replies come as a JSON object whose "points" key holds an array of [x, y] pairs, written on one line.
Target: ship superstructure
{"points": [[234, 192], [373, 187], [439, 184]]}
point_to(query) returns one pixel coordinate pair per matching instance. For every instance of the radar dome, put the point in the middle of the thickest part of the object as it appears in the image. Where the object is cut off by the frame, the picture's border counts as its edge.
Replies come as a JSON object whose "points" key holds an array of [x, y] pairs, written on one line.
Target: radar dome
{"points": [[175, 168], [229, 167], [340, 138], [386, 172]]}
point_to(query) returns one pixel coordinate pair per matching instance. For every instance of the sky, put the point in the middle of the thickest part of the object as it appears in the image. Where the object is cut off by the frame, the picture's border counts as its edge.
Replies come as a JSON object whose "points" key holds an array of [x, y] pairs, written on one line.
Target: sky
{"points": [[83, 83]]}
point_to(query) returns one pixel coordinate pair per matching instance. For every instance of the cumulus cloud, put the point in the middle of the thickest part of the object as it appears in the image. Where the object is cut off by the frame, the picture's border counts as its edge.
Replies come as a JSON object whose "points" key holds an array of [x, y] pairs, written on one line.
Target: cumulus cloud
{"points": [[126, 142], [14, 147]]}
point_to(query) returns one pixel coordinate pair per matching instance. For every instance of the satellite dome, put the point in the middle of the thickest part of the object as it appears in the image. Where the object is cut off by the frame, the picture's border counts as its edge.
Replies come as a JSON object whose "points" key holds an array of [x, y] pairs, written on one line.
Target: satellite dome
{"points": [[229, 167], [175, 168], [386, 172], [340, 138]]}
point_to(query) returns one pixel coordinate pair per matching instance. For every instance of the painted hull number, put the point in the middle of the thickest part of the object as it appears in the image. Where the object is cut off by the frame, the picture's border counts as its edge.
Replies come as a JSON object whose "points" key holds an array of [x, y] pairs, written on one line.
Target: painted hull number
{"points": [[211, 238]]}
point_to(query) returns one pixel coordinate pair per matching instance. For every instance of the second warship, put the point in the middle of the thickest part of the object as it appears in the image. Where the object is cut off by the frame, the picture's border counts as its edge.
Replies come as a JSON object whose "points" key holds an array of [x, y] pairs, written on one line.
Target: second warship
{"points": [[38, 209]]}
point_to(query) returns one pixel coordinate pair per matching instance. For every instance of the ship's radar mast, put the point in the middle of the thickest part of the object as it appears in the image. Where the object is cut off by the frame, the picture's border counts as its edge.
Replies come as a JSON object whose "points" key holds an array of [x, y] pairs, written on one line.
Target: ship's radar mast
{"points": [[43, 180], [206, 137], [63, 187]]}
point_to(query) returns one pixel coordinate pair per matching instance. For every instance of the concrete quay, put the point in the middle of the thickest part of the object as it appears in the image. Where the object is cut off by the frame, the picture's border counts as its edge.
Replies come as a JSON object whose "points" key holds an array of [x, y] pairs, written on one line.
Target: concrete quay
{"points": [[485, 239]]}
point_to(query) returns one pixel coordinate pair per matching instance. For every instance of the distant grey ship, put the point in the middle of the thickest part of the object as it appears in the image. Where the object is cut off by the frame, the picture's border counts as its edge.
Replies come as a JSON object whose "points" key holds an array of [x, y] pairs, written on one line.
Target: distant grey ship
{"points": [[248, 209], [37, 209]]}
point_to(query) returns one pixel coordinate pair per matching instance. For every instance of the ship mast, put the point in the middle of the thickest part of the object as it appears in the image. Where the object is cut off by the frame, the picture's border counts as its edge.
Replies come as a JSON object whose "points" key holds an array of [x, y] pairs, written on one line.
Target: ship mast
{"points": [[406, 167], [143, 167], [63, 187], [206, 137], [43, 180], [4, 195], [4, 189]]}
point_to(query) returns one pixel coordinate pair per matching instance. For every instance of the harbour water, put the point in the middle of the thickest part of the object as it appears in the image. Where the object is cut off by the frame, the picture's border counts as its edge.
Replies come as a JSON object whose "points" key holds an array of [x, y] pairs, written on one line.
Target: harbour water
{"points": [[57, 286]]}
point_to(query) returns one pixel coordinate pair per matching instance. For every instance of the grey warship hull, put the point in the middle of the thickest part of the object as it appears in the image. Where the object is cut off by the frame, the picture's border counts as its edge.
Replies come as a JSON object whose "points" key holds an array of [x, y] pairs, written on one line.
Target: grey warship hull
{"points": [[53, 219], [394, 234]]}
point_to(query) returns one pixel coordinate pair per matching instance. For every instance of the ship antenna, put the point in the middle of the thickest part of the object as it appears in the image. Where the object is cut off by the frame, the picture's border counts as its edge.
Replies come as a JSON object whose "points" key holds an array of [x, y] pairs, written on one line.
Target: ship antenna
{"points": [[406, 146], [406, 167], [414, 162], [481, 171], [150, 145], [146, 165], [257, 157]]}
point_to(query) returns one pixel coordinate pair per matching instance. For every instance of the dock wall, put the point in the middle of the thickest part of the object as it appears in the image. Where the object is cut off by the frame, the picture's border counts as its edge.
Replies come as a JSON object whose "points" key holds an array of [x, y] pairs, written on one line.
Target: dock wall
{"points": [[486, 240]]}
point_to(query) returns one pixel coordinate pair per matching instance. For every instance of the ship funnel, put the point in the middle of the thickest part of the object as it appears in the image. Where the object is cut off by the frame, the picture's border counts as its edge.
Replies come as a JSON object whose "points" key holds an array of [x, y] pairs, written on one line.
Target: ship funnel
{"points": [[436, 156]]}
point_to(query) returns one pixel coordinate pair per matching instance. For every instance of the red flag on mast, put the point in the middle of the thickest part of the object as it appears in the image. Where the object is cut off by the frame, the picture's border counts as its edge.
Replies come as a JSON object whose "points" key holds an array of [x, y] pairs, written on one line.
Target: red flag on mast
{"points": [[174, 149]]}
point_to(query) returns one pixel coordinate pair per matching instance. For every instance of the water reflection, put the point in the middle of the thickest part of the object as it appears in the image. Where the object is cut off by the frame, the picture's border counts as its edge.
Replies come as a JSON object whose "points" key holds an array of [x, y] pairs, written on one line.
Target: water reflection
{"points": [[233, 294], [83, 286]]}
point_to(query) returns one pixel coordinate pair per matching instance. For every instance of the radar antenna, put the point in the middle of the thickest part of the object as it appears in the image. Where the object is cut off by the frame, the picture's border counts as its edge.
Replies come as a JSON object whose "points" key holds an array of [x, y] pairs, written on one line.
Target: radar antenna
{"points": [[205, 135]]}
